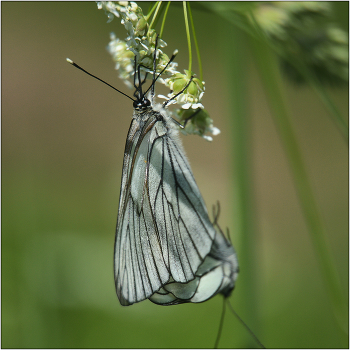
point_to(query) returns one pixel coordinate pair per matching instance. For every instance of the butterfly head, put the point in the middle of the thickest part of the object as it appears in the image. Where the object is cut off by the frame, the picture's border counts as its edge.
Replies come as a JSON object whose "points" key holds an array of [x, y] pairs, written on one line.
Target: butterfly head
{"points": [[141, 103]]}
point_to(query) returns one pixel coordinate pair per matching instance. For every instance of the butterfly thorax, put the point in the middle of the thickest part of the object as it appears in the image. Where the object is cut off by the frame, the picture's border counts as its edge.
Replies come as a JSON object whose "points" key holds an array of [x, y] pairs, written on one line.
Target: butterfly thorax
{"points": [[143, 111]]}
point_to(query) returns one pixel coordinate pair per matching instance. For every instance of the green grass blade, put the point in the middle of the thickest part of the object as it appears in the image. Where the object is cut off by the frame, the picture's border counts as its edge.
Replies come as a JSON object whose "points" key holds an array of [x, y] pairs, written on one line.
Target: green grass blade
{"points": [[273, 86]]}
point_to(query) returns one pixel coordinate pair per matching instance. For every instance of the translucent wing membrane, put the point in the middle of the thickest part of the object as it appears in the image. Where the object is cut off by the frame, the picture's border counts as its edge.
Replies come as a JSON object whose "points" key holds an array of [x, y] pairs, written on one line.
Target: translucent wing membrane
{"points": [[217, 274], [163, 230]]}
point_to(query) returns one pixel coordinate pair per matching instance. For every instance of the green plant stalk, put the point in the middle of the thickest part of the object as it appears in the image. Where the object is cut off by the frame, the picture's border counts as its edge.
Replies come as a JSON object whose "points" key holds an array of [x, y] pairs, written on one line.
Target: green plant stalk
{"points": [[164, 18], [188, 40], [332, 108], [272, 81], [155, 15], [246, 294], [195, 42], [151, 11], [321, 92]]}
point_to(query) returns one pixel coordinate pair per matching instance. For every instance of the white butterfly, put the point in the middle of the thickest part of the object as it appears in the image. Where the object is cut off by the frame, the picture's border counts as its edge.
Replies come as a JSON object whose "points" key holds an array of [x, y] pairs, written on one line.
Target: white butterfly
{"points": [[166, 248]]}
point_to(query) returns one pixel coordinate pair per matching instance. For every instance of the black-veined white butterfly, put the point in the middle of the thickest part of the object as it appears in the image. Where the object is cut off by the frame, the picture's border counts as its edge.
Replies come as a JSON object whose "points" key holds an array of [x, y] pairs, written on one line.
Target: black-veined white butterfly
{"points": [[166, 248]]}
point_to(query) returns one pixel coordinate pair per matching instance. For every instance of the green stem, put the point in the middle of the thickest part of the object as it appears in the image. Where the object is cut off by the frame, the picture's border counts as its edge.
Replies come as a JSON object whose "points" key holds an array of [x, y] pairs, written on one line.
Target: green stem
{"points": [[246, 296], [332, 108], [164, 17], [150, 12], [272, 81], [155, 15], [188, 40], [195, 42]]}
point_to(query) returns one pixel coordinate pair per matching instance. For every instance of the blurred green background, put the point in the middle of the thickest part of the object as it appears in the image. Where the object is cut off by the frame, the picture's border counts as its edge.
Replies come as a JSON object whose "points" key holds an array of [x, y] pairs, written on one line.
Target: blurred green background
{"points": [[63, 136]]}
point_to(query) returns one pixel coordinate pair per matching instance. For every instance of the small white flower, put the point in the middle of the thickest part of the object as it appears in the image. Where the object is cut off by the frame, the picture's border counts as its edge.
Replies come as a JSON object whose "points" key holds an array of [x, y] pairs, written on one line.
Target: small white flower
{"points": [[197, 105], [109, 6], [133, 5], [215, 131], [186, 105], [208, 138]]}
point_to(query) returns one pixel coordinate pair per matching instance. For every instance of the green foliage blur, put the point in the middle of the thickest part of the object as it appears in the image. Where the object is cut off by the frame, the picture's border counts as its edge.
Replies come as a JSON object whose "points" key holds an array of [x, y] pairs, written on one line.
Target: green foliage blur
{"points": [[63, 137]]}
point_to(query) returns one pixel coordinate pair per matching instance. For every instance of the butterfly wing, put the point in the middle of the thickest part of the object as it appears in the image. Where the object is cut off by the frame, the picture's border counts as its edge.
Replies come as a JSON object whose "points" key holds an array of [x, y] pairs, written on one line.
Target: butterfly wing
{"points": [[217, 274], [163, 229]]}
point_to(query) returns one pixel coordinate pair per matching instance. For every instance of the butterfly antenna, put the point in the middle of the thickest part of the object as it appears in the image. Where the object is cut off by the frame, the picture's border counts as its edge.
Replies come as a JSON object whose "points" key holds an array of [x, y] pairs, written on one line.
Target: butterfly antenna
{"points": [[155, 78], [179, 93], [192, 116], [154, 67], [216, 212], [141, 94], [228, 235], [94, 76], [137, 88], [245, 325], [221, 324]]}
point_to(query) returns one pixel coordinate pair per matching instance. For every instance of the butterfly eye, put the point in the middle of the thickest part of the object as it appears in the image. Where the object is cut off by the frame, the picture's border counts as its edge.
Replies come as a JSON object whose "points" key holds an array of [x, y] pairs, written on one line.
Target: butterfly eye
{"points": [[137, 104], [141, 104]]}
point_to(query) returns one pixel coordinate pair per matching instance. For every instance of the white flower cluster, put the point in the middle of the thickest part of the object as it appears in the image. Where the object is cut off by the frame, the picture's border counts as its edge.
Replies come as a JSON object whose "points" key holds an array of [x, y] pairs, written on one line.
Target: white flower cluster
{"points": [[192, 95], [140, 43], [123, 58]]}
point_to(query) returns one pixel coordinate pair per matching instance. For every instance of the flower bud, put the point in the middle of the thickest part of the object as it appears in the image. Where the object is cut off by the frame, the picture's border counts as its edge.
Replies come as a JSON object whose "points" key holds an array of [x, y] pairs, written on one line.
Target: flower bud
{"points": [[141, 25]]}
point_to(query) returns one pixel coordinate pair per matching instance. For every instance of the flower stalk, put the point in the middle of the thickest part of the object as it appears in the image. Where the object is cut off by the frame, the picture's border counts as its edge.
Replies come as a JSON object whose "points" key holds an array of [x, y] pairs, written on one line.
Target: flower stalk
{"points": [[155, 15], [188, 40], [140, 45], [164, 18], [195, 42]]}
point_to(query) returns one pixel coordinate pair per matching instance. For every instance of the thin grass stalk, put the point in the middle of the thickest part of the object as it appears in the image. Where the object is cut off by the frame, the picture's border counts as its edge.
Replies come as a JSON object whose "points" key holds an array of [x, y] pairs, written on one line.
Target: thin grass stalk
{"points": [[155, 14], [188, 35], [244, 212], [151, 11], [273, 87], [195, 42], [164, 18]]}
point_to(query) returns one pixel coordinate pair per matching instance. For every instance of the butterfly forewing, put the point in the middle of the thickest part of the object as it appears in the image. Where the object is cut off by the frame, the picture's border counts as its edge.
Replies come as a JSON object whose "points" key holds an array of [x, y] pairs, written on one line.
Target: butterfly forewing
{"points": [[163, 228]]}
